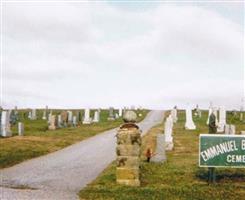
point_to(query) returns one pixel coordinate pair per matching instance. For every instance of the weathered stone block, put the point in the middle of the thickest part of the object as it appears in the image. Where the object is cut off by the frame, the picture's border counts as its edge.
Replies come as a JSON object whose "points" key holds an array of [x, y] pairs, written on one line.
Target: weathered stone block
{"points": [[128, 137], [127, 173], [128, 161], [128, 150]]}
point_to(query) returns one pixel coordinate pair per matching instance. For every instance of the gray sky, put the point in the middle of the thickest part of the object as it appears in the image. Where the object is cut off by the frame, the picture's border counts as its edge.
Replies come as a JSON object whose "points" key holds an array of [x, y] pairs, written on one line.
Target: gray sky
{"points": [[102, 54]]}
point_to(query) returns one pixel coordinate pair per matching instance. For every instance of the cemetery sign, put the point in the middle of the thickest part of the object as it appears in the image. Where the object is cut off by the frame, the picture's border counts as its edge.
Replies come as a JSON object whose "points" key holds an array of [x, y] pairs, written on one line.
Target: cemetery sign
{"points": [[216, 150]]}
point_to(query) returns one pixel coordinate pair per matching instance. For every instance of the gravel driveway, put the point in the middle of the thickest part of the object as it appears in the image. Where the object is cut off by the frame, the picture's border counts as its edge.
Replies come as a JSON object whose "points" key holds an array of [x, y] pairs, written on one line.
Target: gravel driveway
{"points": [[60, 175]]}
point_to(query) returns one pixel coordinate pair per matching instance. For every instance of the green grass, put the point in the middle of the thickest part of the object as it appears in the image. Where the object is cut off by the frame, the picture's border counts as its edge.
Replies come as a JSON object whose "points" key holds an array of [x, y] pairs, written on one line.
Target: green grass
{"points": [[38, 140], [179, 178]]}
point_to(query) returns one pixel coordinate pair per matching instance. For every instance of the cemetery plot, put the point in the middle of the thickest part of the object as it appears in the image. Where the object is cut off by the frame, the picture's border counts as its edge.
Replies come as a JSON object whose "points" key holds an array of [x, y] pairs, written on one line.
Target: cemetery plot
{"points": [[37, 140], [180, 176]]}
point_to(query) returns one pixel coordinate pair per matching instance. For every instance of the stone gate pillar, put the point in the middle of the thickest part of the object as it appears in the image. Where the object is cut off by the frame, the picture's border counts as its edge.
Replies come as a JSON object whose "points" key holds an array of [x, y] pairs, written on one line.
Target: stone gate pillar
{"points": [[128, 151]]}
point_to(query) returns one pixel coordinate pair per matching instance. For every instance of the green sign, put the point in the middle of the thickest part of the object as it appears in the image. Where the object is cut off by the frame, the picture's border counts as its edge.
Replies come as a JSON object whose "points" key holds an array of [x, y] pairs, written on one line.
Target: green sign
{"points": [[216, 150]]}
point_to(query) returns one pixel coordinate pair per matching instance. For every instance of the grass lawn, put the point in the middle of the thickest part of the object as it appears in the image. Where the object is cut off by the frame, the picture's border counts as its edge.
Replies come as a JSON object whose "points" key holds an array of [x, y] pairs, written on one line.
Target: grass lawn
{"points": [[38, 140], [179, 178]]}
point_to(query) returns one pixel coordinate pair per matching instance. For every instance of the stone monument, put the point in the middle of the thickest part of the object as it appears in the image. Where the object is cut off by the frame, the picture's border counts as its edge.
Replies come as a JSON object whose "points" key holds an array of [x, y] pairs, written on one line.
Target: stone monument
{"points": [[33, 114], [222, 120], [174, 115], [74, 121], [111, 114], [5, 124], [96, 116], [189, 124], [52, 125], [168, 130], [20, 129], [128, 151], [87, 119]]}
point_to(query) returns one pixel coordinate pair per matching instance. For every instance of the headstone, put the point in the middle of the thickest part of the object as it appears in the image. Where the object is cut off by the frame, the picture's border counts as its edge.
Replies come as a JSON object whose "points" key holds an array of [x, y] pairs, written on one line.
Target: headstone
{"points": [[160, 154], [215, 111], [210, 110], [52, 125], [44, 115], [128, 151], [29, 115], [222, 120], [116, 115], [120, 113], [78, 116], [87, 119], [189, 124], [74, 121], [230, 129], [64, 118], [168, 130], [33, 114], [96, 116], [59, 122], [212, 123], [111, 114], [241, 116], [13, 117], [20, 129], [5, 124], [174, 115], [49, 118], [69, 117]]}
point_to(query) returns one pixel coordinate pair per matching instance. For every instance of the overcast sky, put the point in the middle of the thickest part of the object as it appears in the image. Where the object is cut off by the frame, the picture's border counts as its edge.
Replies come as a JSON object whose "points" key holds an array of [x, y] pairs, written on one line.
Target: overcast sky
{"points": [[102, 54]]}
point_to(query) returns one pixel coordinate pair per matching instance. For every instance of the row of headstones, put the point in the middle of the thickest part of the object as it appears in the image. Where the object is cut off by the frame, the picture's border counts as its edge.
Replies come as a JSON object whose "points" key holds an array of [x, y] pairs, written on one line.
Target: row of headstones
{"points": [[8, 117], [164, 142], [221, 122]]}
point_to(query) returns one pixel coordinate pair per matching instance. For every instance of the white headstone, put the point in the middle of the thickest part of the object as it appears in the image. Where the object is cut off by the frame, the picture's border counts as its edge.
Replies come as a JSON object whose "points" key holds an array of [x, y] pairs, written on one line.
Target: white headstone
{"points": [[20, 129], [168, 130], [87, 119], [120, 113], [5, 124], [52, 125], [96, 116], [49, 118], [230, 129], [69, 117], [189, 124], [209, 113], [44, 115], [59, 121], [174, 115], [29, 115], [33, 114], [74, 121], [222, 120]]}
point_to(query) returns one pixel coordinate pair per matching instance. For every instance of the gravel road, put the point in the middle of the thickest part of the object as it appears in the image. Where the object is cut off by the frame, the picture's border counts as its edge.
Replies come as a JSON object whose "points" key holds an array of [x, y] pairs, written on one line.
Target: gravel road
{"points": [[60, 175]]}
